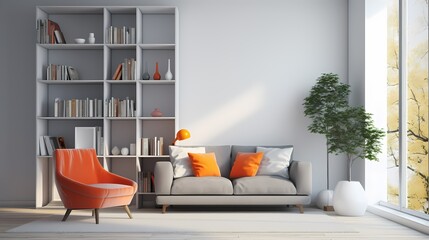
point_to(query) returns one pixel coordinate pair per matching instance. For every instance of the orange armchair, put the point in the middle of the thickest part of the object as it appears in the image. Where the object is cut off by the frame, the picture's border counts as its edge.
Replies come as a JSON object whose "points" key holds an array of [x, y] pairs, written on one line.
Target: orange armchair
{"points": [[84, 184]]}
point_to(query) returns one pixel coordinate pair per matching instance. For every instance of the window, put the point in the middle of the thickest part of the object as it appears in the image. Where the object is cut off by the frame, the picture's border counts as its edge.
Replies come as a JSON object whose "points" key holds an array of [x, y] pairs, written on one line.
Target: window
{"points": [[407, 107]]}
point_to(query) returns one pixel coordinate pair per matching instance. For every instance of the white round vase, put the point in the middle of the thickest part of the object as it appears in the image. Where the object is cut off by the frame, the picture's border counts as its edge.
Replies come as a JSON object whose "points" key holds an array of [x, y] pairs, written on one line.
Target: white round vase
{"points": [[349, 199], [324, 198]]}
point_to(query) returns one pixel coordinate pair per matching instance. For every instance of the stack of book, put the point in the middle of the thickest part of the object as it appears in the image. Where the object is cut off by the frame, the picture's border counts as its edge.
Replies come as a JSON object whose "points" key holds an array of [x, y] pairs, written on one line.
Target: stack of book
{"points": [[126, 70], [120, 108], [121, 35], [146, 182], [49, 32], [61, 72], [78, 107], [48, 144], [152, 146]]}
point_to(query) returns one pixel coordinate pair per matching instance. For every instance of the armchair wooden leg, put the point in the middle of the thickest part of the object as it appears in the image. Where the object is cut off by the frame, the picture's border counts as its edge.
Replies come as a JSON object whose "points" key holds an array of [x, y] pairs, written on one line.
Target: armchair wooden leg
{"points": [[96, 216], [300, 207], [164, 208], [66, 215], [128, 211], [92, 213]]}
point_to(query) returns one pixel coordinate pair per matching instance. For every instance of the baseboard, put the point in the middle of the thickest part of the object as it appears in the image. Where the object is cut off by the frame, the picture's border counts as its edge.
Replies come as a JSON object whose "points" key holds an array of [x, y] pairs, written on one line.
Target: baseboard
{"points": [[410, 221], [17, 203]]}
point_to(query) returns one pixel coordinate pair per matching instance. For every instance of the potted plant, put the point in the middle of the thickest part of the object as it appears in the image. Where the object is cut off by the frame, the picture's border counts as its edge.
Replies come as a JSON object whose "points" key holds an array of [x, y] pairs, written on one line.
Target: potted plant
{"points": [[356, 136], [327, 97]]}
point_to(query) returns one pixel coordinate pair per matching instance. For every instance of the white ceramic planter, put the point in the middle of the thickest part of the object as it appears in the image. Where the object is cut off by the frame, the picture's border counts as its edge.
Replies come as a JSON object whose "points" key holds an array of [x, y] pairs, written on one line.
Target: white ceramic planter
{"points": [[349, 199], [324, 198]]}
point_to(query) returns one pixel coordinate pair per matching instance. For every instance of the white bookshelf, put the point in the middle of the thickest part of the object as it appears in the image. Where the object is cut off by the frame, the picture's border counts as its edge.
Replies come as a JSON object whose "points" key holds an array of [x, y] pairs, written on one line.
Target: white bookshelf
{"points": [[157, 40]]}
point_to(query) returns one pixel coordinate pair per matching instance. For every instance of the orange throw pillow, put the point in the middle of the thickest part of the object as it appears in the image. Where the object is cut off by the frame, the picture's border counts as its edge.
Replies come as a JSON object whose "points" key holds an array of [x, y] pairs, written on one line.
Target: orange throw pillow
{"points": [[246, 164], [204, 164]]}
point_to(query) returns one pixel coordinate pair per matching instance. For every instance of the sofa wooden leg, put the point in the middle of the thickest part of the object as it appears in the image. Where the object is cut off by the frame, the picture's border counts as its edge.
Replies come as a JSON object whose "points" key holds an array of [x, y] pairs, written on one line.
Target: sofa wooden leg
{"points": [[164, 208], [300, 207], [96, 216], [128, 211], [66, 215]]}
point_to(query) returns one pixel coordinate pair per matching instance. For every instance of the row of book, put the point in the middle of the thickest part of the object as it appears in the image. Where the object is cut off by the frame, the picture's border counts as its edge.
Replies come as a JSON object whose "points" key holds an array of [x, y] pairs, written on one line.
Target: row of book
{"points": [[146, 182], [152, 146], [89, 137], [120, 108], [121, 35], [48, 144], [61, 72], [49, 32], [78, 107], [126, 70]]}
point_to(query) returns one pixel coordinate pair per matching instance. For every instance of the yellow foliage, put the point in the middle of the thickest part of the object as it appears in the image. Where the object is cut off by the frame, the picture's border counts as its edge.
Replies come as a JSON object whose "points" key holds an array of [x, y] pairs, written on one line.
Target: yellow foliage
{"points": [[417, 109]]}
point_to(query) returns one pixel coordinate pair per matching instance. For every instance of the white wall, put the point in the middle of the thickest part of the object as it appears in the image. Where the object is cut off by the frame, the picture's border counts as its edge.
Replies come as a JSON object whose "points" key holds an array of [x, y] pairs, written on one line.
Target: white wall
{"points": [[245, 67]]}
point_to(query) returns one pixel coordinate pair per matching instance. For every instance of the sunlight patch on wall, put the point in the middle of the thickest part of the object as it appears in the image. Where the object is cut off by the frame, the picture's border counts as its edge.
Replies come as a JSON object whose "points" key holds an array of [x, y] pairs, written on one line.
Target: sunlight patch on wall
{"points": [[238, 109]]}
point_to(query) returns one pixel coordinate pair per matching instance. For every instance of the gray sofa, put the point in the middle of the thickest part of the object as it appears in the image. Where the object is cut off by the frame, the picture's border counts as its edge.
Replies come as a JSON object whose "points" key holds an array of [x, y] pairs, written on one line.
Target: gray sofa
{"points": [[257, 190]]}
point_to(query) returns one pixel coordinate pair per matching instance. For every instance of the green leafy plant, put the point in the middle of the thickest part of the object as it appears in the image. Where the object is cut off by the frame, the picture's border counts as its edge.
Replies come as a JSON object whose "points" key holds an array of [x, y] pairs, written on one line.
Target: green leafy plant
{"points": [[348, 130], [327, 97], [355, 135]]}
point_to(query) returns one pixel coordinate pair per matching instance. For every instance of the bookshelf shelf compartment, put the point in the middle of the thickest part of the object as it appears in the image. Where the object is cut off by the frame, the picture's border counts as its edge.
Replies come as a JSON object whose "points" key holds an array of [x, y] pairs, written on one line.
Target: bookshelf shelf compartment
{"points": [[156, 39]]}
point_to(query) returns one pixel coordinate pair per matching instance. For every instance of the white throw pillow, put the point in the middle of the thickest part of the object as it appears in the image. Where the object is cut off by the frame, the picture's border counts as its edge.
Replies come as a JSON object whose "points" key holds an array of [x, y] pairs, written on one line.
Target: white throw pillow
{"points": [[275, 161], [180, 160]]}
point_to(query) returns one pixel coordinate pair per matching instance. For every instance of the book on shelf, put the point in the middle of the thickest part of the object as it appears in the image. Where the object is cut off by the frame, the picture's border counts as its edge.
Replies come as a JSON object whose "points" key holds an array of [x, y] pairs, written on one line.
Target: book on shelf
{"points": [[61, 72], [144, 149], [121, 35], [78, 107], [126, 70], [42, 147], [118, 73], [49, 32], [146, 182], [59, 37], [156, 146], [48, 144], [89, 137], [120, 108]]}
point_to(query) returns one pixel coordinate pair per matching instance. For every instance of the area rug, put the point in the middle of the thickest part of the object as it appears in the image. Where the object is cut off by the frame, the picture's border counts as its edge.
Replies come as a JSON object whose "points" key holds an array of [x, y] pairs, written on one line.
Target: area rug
{"points": [[192, 222]]}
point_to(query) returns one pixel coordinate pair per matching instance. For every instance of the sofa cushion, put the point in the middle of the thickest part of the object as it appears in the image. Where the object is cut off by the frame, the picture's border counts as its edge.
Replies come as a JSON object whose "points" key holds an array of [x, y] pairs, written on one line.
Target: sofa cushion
{"points": [[275, 161], [263, 185], [223, 158], [180, 160], [238, 148], [201, 186], [246, 165], [204, 164]]}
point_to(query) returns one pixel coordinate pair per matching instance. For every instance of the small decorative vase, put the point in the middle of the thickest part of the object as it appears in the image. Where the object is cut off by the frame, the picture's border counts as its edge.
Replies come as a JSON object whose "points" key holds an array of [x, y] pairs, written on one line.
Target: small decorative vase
{"points": [[156, 113], [124, 151], [349, 199], [91, 38], [156, 75], [146, 75], [168, 75], [115, 150]]}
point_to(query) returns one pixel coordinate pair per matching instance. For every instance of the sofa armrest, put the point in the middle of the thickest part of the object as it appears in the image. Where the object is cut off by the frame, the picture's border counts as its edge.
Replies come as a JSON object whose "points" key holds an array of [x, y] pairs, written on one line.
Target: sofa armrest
{"points": [[301, 175], [163, 176]]}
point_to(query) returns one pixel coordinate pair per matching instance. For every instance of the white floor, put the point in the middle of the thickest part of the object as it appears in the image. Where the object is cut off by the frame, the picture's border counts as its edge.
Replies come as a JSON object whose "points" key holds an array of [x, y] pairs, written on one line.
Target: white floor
{"points": [[203, 223]]}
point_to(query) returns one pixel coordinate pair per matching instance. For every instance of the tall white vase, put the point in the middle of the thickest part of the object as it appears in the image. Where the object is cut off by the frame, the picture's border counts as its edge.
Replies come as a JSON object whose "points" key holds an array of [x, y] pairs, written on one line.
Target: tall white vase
{"points": [[168, 75], [349, 199]]}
